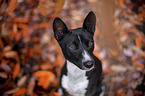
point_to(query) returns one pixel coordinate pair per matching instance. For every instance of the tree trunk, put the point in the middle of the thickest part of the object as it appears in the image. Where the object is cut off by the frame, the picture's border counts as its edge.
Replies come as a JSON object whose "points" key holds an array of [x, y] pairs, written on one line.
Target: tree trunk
{"points": [[109, 38]]}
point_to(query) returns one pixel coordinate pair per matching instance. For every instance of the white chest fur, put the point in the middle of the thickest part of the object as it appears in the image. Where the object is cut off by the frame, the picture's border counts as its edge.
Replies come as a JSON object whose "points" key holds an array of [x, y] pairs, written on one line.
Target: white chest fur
{"points": [[76, 80]]}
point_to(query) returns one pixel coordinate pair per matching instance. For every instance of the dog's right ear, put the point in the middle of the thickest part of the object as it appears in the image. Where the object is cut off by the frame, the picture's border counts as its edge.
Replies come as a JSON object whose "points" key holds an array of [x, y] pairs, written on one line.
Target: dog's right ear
{"points": [[59, 28]]}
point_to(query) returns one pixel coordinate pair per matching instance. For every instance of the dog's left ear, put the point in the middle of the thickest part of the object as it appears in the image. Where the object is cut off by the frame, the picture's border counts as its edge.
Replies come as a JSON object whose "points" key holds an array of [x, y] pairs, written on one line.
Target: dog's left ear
{"points": [[90, 22]]}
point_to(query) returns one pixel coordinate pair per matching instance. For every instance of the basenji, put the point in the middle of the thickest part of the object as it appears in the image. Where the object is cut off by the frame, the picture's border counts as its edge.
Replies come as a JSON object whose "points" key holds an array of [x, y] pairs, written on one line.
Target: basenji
{"points": [[81, 74]]}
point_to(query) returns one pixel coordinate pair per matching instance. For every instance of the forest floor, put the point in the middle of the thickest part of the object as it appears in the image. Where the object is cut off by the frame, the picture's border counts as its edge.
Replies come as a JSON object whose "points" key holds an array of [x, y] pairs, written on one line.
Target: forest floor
{"points": [[31, 59]]}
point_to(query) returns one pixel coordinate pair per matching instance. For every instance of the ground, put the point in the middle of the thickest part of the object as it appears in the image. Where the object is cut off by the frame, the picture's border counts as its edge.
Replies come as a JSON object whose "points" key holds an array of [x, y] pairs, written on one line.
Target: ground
{"points": [[31, 59]]}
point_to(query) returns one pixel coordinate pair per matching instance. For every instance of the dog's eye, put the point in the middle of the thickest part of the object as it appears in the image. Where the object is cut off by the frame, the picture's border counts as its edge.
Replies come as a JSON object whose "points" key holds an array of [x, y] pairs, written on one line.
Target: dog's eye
{"points": [[90, 44], [72, 47]]}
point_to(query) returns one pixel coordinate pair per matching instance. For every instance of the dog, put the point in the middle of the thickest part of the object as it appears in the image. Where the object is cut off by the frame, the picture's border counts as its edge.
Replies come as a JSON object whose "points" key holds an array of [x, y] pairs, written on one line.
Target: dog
{"points": [[81, 74]]}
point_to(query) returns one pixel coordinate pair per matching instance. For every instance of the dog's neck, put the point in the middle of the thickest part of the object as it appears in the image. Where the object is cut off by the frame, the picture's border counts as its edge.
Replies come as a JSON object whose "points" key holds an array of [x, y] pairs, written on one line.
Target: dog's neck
{"points": [[76, 80], [74, 70]]}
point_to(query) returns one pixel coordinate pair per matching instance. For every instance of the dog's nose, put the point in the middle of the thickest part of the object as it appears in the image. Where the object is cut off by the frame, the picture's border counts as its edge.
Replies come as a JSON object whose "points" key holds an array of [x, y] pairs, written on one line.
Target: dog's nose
{"points": [[88, 64]]}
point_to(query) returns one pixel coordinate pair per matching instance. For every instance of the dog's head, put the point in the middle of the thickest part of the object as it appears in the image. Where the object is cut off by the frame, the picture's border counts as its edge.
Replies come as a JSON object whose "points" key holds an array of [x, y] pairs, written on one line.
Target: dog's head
{"points": [[77, 44]]}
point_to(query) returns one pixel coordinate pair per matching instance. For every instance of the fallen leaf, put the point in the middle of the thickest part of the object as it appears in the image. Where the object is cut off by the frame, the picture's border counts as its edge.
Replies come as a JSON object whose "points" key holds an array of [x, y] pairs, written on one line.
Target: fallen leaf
{"points": [[10, 54], [3, 75], [21, 20], [6, 67], [118, 68], [59, 5], [16, 70], [129, 93], [31, 86], [138, 64], [20, 91], [22, 81], [121, 2], [42, 8], [23, 26], [138, 41], [42, 0], [141, 15], [119, 91], [57, 94], [59, 60], [12, 6], [41, 25], [45, 78]]}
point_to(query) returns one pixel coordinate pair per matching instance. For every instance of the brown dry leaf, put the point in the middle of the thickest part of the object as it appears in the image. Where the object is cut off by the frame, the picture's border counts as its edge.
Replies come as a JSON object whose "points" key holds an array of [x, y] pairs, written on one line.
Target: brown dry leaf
{"points": [[41, 25], [16, 70], [21, 20], [11, 54], [45, 78], [59, 5], [31, 87], [42, 8], [20, 91], [30, 52], [1, 43], [119, 91], [23, 26], [121, 2], [141, 15], [12, 6], [138, 41], [5, 67], [15, 28], [7, 48], [138, 64], [57, 94], [22, 81], [42, 0], [59, 60], [3, 75]]}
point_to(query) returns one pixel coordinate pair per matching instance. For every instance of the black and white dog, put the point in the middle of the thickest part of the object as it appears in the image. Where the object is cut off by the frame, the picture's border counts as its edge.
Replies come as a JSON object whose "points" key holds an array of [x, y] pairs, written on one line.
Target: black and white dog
{"points": [[82, 73]]}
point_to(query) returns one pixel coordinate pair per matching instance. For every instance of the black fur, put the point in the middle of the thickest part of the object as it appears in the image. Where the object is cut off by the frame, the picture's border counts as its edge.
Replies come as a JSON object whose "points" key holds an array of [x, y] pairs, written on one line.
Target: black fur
{"points": [[72, 49]]}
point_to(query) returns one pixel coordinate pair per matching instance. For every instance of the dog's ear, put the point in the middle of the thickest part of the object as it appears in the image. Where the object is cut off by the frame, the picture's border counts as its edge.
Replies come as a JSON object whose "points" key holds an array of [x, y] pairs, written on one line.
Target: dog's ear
{"points": [[59, 28], [90, 22]]}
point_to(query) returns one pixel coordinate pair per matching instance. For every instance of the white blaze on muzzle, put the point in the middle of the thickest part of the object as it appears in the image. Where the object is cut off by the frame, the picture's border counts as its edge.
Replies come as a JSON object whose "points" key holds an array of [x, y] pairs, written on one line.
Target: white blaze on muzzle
{"points": [[86, 56]]}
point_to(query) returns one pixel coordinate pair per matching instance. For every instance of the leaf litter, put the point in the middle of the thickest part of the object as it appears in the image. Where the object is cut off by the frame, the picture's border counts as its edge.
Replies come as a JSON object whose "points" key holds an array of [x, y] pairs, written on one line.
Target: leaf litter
{"points": [[31, 59]]}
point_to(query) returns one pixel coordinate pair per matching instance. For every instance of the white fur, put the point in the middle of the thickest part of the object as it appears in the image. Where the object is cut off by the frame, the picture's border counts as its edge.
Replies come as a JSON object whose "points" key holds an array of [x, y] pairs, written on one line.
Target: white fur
{"points": [[103, 90], [76, 80], [86, 56]]}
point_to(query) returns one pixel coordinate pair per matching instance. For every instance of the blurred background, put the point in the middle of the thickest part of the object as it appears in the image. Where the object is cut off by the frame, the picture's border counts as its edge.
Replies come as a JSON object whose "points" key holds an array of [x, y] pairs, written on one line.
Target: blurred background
{"points": [[31, 59]]}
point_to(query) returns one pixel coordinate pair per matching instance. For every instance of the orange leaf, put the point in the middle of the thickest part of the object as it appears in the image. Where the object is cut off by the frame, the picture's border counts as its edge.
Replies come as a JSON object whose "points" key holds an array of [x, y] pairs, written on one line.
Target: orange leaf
{"points": [[42, 0], [141, 15], [41, 25], [1, 43], [59, 5], [16, 70], [23, 26], [20, 91], [119, 91], [138, 64], [57, 94], [121, 2], [20, 20], [45, 78], [12, 6], [42, 8], [138, 41], [59, 60]]}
